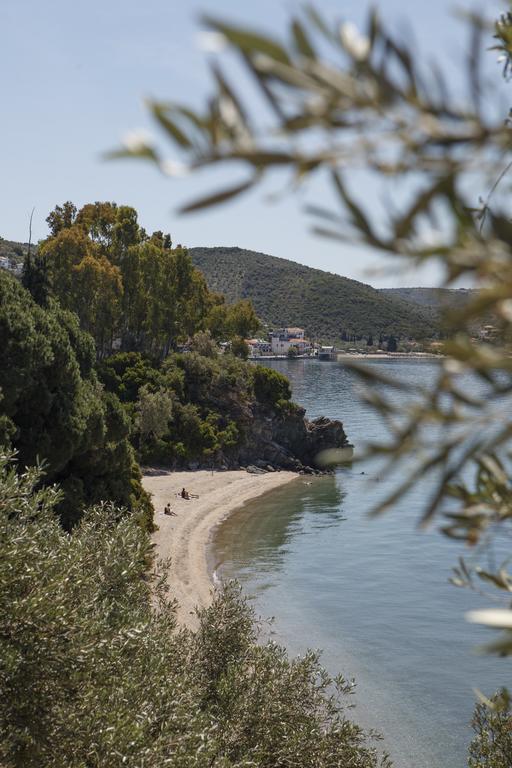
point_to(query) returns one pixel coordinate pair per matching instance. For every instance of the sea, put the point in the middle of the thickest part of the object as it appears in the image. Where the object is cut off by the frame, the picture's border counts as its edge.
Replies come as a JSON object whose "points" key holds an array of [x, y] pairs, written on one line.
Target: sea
{"points": [[372, 593]]}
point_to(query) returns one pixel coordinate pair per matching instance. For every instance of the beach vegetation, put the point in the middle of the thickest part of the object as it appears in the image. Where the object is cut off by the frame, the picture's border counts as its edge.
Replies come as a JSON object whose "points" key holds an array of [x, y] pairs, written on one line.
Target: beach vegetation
{"points": [[95, 671], [55, 411], [271, 386], [192, 407]]}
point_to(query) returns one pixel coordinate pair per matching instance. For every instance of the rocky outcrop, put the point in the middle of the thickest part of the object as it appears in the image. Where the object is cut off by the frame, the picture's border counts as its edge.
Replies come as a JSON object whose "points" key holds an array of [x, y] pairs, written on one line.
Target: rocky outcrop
{"points": [[285, 439]]}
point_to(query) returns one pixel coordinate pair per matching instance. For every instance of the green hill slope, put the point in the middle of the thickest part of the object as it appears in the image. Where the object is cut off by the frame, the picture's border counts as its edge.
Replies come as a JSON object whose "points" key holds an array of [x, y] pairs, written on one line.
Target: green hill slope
{"points": [[325, 304], [432, 298], [13, 250]]}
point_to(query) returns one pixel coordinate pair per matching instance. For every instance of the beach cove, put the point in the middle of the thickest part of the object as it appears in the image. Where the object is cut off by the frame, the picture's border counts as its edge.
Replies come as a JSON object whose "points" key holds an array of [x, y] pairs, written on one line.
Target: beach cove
{"points": [[184, 536], [374, 595]]}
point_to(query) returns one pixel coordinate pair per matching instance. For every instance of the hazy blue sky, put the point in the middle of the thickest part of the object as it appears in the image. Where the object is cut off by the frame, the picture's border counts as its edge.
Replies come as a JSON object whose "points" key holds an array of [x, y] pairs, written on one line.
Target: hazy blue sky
{"points": [[73, 78]]}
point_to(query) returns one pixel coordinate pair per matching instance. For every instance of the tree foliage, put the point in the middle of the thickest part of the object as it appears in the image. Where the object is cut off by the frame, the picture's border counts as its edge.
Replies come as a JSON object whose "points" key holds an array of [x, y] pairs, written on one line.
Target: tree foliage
{"points": [[184, 409], [130, 290], [54, 409], [271, 386], [492, 725], [197, 406], [94, 671]]}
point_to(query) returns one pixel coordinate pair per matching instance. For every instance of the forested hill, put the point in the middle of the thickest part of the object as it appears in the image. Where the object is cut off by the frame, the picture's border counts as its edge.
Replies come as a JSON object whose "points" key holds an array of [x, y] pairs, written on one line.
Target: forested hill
{"points": [[432, 298], [326, 305]]}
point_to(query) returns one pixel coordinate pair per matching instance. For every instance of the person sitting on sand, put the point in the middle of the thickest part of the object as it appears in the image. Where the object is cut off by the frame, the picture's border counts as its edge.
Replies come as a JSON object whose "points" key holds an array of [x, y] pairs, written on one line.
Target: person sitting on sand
{"points": [[185, 494]]}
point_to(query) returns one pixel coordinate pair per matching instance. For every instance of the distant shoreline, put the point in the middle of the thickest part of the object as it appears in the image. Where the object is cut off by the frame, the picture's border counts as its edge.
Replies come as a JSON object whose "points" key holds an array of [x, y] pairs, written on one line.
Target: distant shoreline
{"points": [[389, 356], [355, 356], [185, 536]]}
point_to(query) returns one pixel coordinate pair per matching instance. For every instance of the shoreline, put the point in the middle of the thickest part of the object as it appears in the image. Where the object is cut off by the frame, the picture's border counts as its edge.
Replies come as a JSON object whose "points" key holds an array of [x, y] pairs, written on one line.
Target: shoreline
{"points": [[342, 355], [185, 536], [389, 356]]}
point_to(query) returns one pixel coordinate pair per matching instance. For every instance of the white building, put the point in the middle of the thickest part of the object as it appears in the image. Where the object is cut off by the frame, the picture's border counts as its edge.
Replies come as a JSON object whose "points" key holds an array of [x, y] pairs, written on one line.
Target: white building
{"points": [[285, 338], [258, 347]]}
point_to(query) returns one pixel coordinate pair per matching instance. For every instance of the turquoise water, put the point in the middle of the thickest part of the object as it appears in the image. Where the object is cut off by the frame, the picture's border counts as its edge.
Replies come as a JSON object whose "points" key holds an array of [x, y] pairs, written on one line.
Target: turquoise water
{"points": [[373, 594]]}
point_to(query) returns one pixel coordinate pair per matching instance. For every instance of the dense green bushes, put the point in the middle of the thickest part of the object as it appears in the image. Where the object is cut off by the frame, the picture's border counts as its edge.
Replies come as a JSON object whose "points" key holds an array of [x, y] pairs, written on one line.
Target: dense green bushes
{"points": [[492, 724], [92, 674], [191, 406], [270, 386], [53, 408], [199, 402]]}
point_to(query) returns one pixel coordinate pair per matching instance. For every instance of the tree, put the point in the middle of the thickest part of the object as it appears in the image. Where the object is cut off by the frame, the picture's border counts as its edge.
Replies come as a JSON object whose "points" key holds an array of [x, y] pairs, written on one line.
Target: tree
{"points": [[270, 386], [96, 298], [492, 743], [392, 344], [88, 642], [62, 217], [242, 319], [204, 345], [240, 348], [154, 412], [53, 408], [128, 287], [35, 278]]}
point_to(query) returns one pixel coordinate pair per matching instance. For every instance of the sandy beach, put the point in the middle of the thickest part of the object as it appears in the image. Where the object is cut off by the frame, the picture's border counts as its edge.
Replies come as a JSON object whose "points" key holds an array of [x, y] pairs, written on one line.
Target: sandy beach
{"points": [[184, 537]]}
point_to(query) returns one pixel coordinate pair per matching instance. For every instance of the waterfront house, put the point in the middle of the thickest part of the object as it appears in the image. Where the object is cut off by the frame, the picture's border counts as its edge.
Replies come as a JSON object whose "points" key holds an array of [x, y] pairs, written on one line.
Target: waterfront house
{"points": [[283, 339], [258, 347]]}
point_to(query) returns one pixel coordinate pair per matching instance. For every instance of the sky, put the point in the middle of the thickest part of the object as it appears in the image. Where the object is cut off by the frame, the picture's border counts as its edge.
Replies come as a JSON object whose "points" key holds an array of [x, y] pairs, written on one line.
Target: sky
{"points": [[74, 78]]}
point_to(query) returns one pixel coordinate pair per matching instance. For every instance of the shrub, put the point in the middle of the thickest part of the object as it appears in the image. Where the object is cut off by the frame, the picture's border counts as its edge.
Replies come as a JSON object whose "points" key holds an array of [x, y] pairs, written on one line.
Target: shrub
{"points": [[94, 671], [54, 409], [492, 744], [270, 386]]}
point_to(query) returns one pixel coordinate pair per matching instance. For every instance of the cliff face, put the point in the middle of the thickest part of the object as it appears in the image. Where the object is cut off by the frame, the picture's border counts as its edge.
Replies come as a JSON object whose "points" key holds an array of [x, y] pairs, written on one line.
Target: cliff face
{"points": [[275, 439]]}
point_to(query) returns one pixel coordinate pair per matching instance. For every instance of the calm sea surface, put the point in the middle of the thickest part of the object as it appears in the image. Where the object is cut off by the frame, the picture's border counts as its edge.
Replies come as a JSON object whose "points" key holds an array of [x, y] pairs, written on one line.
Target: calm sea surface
{"points": [[373, 594]]}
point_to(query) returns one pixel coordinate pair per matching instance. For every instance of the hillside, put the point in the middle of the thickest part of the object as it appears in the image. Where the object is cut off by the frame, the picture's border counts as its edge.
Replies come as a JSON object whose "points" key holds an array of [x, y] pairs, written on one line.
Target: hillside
{"points": [[443, 305], [432, 298], [13, 250], [326, 305]]}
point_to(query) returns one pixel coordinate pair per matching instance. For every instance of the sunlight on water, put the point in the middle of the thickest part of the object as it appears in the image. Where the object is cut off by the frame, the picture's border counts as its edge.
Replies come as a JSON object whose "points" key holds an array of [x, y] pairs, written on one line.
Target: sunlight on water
{"points": [[374, 595]]}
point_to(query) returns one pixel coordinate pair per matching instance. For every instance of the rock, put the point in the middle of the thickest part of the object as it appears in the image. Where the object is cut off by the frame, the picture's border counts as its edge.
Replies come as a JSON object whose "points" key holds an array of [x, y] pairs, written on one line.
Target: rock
{"points": [[253, 470], [273, 439]]}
